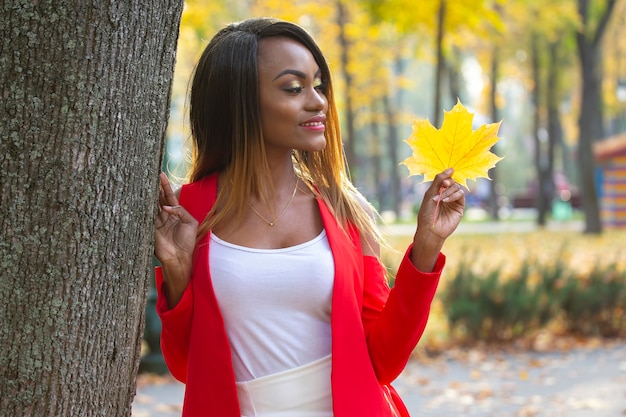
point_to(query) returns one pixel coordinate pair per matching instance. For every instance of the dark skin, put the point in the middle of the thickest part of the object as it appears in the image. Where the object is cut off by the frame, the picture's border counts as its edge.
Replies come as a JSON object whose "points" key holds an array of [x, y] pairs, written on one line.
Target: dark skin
{"points": [[176, 230], [293, 107]]}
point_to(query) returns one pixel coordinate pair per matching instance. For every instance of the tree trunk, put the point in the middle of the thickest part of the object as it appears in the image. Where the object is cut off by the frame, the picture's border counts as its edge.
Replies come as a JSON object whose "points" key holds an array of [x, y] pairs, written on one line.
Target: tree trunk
{"points": [[392, 152], [542, 202], [349, 137], [85, 93], [441, 18], [376, 164], [452, 65], [553, 99], [493, 206], [590, 121]]}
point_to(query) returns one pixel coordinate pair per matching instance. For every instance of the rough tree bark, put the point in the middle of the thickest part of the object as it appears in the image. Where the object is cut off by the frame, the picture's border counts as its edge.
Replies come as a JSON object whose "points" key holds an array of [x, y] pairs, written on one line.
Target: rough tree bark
{"points": [[84, 89]]}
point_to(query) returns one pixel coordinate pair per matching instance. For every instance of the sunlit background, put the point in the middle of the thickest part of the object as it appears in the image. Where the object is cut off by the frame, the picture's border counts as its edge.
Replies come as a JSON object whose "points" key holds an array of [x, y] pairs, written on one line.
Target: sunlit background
{"points": [[512, 61]]}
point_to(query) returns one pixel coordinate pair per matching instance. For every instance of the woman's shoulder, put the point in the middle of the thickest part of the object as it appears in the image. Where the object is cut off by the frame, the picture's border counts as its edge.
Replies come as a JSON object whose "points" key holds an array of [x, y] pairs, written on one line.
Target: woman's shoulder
{"points": [[199, 196], [201, 186]]}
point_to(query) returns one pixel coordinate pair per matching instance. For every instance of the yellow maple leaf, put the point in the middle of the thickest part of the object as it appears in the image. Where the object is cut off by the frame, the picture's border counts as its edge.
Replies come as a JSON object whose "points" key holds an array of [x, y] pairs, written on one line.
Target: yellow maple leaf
{"points": [[455, 145]]}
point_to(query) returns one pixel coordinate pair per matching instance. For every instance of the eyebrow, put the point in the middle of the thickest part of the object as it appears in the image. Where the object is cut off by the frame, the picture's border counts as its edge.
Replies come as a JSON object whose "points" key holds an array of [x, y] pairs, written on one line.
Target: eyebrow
{"points": [[297, 73]]}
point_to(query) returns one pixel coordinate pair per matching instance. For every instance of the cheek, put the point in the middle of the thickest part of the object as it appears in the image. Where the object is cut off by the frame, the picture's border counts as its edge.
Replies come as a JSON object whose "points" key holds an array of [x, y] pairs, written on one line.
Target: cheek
{"points": [[277, 115]]}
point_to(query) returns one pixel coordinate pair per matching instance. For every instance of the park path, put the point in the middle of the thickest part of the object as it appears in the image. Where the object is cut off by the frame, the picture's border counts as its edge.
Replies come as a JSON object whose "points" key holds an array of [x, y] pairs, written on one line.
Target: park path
{"points": [[491, 227], [579, 382]]}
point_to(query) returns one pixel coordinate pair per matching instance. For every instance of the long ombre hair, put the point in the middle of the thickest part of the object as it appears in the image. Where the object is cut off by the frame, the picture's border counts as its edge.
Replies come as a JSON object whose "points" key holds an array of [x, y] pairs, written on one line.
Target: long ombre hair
{"points": [[226, 129]]}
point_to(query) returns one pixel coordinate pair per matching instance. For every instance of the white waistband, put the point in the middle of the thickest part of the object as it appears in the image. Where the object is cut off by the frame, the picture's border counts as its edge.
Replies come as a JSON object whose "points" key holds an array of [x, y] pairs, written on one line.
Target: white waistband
{"points": [[304, 391]]}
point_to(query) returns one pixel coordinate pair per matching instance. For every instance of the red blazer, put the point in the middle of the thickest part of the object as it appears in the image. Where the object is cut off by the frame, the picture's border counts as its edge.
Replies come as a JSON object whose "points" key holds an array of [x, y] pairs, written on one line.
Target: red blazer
{"points": [[374, 329]]}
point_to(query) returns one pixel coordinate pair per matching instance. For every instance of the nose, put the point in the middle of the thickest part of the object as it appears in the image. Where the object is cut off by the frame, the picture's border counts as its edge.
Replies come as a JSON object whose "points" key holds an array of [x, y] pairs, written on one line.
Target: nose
{"points": [[317, 101]]}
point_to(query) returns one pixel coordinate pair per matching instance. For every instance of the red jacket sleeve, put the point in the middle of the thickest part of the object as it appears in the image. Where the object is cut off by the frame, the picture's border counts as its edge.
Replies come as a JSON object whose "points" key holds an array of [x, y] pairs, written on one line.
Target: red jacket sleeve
{"points": [[395, 319], [175, 328]]}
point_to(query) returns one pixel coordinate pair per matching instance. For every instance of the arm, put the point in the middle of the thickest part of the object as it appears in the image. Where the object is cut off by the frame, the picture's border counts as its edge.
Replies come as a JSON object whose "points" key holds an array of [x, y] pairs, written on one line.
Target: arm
{"points": [[175, 235], [394, 320], [174, 242], [175, 327]]}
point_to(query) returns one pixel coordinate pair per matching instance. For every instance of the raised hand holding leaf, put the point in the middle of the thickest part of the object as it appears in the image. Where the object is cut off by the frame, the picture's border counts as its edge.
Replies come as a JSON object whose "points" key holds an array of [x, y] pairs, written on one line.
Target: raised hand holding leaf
{"points": [[456, 145]]}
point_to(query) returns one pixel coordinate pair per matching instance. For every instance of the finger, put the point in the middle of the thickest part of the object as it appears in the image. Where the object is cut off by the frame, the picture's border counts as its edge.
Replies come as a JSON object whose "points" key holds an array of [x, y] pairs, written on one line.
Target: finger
{"points": [[447, 190], [168, 194], [457, 195], [450, 187], [443, 176], [180, 213], [440, 183], [161, 197]]}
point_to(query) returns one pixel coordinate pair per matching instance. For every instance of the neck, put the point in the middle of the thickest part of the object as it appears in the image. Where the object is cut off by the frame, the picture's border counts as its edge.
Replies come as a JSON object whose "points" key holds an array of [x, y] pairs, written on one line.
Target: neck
{"points": [[282, 176]]}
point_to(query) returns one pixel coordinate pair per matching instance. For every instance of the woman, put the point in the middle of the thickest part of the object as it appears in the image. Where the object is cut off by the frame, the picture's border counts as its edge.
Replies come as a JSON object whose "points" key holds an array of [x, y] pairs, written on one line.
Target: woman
{"points": [[272, 297]]}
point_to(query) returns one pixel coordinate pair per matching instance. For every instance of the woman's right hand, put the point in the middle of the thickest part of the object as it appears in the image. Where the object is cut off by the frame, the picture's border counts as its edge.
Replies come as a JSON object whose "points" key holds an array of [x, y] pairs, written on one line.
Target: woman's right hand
{"points": [[174, 242]]}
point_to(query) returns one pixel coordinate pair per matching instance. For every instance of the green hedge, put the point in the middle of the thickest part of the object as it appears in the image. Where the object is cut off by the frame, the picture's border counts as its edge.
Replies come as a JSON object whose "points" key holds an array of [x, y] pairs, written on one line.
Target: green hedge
{"points": [[488, 307]]}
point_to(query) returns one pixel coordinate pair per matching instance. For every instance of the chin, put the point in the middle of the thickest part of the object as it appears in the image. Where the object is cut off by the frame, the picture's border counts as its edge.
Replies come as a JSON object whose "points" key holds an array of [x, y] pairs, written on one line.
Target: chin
{"points": [[316, 146]]}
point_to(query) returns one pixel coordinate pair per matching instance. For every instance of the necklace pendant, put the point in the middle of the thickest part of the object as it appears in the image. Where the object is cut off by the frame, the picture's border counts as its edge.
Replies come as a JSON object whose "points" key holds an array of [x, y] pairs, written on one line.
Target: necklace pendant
{"points": [[271, 223]]}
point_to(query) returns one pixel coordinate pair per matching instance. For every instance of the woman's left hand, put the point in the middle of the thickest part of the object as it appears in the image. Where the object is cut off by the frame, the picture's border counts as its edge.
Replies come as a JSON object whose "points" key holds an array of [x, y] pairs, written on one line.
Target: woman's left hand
{"points": [[442, 218], [435, 222]]}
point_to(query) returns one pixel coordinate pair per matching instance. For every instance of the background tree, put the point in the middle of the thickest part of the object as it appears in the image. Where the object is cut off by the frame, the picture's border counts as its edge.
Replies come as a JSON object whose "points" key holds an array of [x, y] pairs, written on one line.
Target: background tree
{"points": [[397, 42], [615, 70], [85, 91], [590, 122], [345, 45]]}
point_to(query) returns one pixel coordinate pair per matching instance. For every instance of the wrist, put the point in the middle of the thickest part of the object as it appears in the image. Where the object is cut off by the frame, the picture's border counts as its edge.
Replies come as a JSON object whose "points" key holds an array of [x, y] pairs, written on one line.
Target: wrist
{"points": [[175, 280], [426, 249]]}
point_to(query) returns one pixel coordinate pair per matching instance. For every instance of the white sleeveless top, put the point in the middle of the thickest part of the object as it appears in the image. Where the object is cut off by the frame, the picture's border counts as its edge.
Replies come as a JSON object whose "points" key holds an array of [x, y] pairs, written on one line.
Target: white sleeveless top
{"points": [[276, 303]]}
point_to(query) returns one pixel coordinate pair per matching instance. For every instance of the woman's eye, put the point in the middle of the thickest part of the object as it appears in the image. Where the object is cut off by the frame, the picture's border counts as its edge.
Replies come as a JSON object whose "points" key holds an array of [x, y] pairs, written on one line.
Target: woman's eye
{"points": [[321, 87], [295, 89], [318, 85]]}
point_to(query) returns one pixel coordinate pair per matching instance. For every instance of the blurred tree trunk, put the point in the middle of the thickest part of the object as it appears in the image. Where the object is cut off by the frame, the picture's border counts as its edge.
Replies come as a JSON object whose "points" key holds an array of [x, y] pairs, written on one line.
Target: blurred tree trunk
{"points": [[441, 19], [376, 163], [85, 94], [553, 100], [542, 200], [349, 137], [590, 121], [392, 152], [492, 202], [452, 65]]}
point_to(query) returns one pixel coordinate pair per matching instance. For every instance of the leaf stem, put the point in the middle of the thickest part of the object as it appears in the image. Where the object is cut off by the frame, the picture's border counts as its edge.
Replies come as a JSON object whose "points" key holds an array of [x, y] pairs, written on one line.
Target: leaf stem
{"points": [[437, 207]]}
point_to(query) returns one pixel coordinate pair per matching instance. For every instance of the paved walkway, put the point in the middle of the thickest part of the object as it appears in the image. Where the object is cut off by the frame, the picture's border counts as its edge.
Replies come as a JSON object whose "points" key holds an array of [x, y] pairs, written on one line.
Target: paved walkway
{"points": [[588, 382], [520, 226]]}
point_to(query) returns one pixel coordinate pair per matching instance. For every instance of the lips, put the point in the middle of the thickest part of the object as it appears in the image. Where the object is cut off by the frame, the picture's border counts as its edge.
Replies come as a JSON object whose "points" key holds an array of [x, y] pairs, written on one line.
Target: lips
{"points": [[312, 124], [316, 122]]}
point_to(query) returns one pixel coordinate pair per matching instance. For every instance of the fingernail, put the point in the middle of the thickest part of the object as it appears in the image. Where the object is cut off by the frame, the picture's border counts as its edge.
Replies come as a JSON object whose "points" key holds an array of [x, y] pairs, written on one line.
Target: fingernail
{"points": [[436, 198]]}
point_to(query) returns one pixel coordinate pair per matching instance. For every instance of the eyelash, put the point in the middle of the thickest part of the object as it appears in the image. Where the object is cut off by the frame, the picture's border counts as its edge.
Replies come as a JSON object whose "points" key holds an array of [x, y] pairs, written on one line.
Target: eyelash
{"points": [[320, 88]]}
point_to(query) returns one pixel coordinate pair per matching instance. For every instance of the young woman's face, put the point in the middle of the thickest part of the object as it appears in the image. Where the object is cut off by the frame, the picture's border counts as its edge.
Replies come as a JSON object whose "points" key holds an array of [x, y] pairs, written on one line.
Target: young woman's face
{"points": [[291, 94]]}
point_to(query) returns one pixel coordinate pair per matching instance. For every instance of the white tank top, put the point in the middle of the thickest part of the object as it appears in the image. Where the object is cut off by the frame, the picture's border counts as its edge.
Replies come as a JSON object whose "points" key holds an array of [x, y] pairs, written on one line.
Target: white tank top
{"points": [[276, 303]]}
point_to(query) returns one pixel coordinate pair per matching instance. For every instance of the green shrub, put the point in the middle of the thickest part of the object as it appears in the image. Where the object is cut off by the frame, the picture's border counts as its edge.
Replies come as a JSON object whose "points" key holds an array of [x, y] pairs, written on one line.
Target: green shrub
{"points": [[596, 304], [489, 307]]}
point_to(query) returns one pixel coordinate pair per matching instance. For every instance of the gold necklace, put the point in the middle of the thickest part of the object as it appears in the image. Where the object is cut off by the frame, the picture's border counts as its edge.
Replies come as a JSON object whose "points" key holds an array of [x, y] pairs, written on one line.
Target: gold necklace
{"points": [[272, 223]]}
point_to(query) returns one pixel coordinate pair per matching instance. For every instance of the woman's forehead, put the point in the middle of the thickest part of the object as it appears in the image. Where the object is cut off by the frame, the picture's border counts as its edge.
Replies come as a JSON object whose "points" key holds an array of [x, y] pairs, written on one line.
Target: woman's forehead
{"points": [[282, 52]]}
